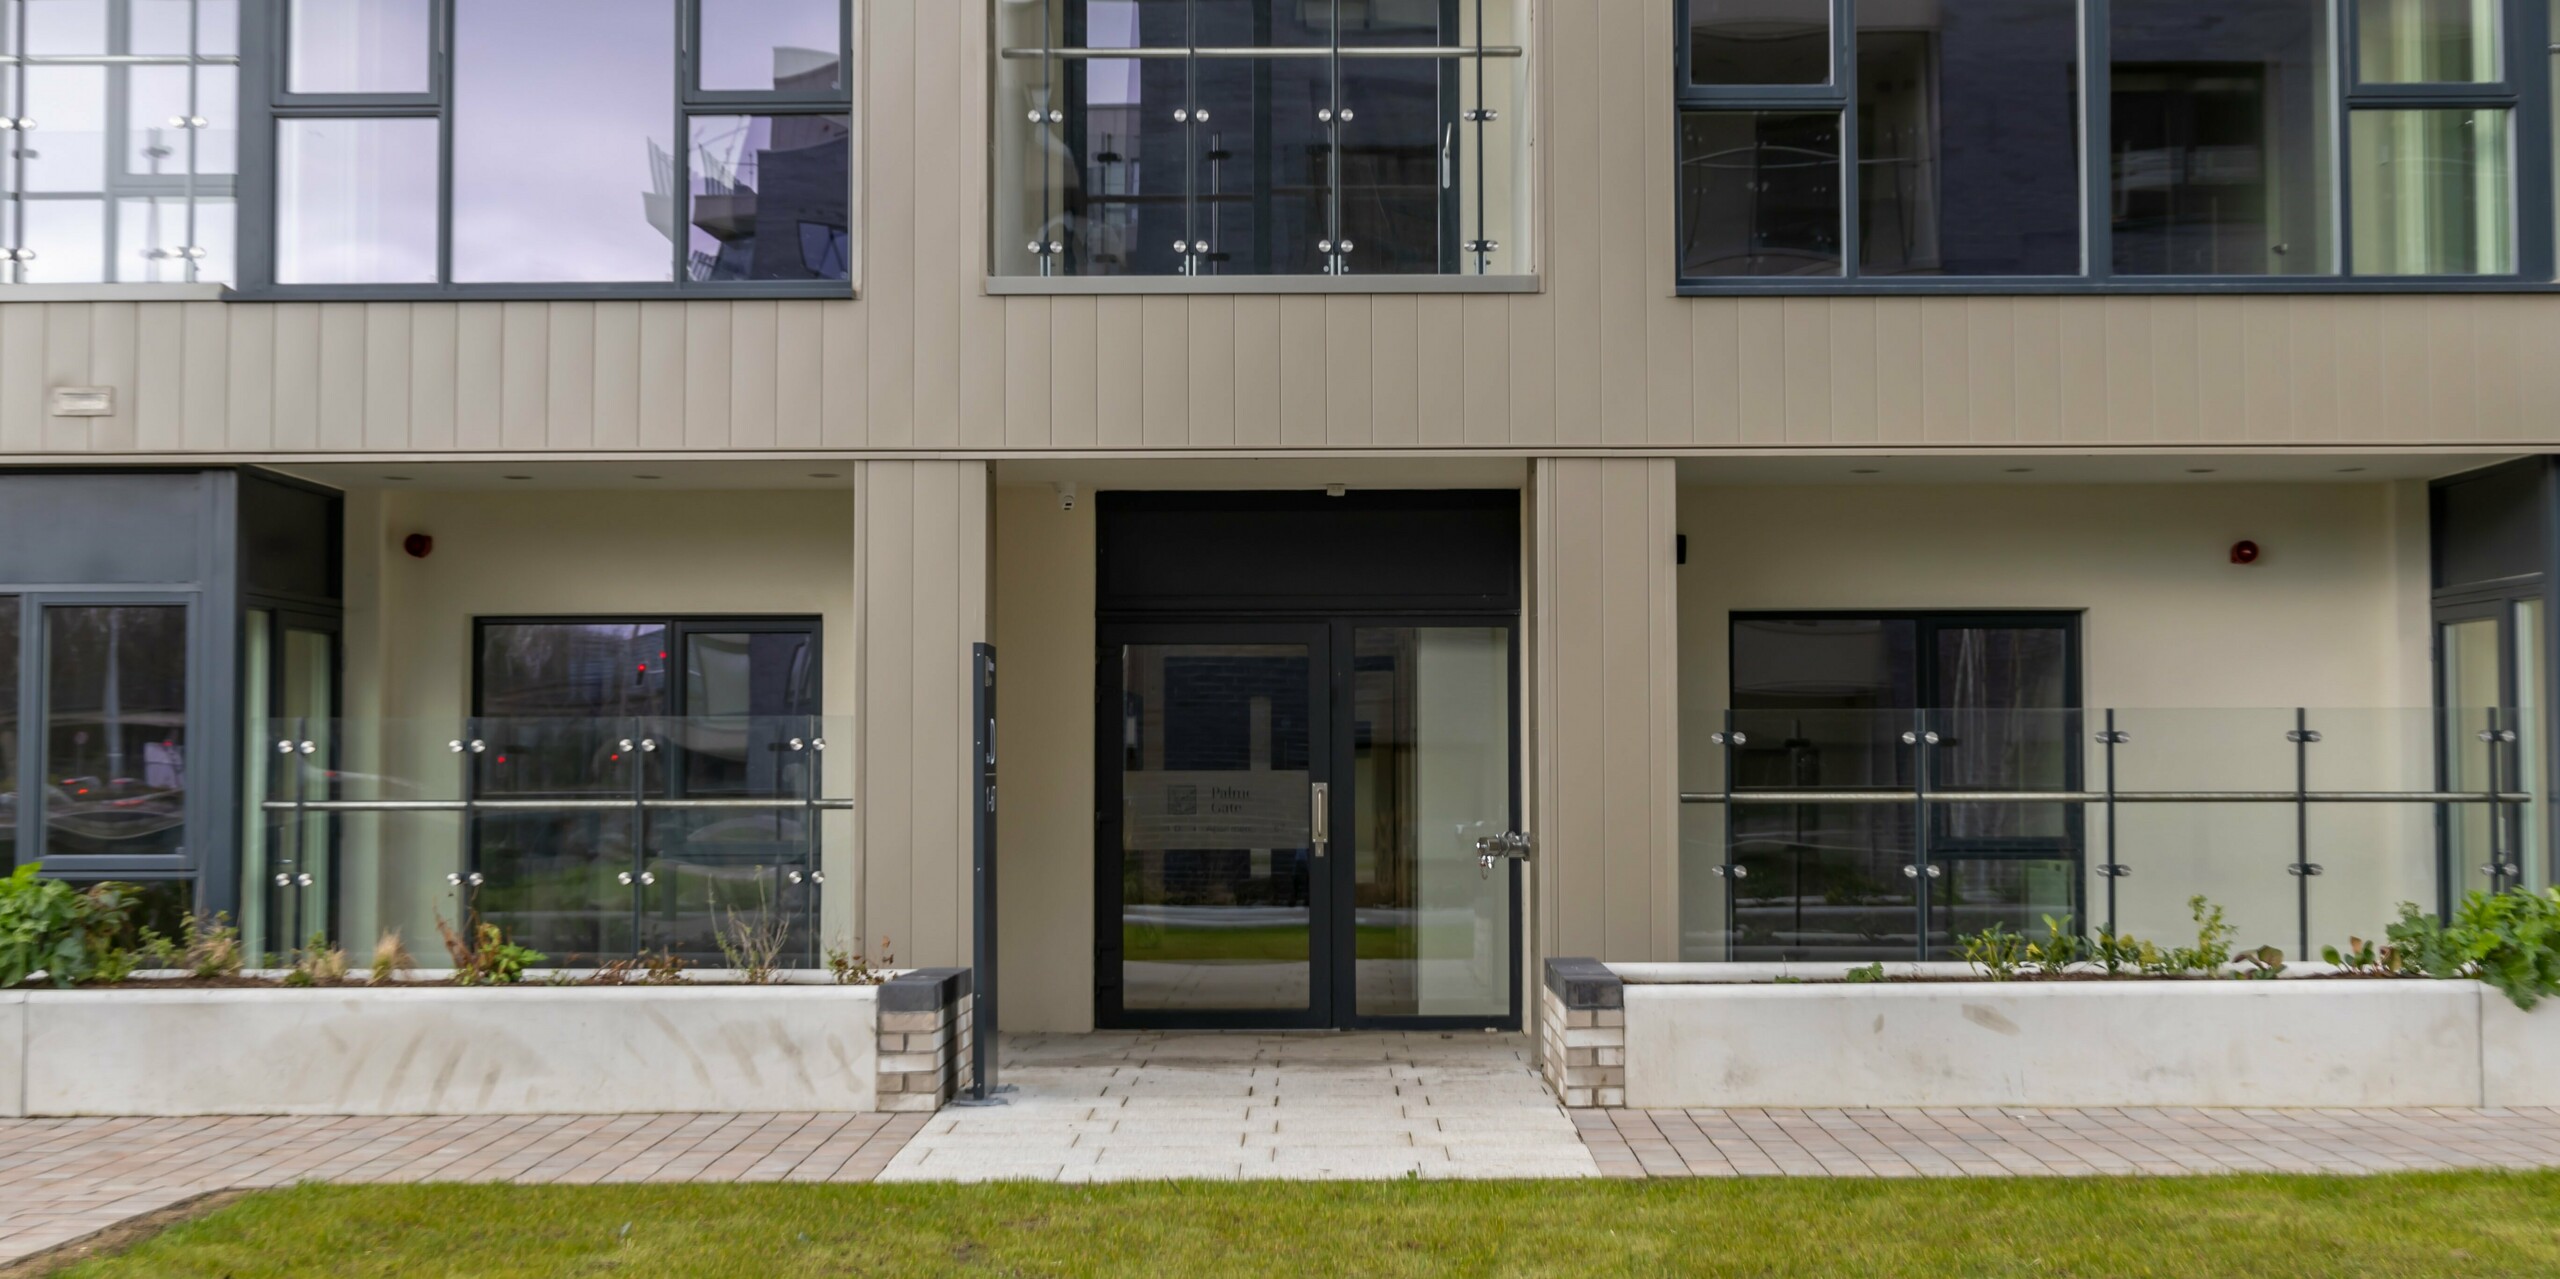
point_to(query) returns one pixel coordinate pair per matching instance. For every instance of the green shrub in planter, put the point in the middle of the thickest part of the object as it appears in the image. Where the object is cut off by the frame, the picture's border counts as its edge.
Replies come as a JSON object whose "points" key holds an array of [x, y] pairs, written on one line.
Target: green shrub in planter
{"points": [[2510, 940], [62, 934]]}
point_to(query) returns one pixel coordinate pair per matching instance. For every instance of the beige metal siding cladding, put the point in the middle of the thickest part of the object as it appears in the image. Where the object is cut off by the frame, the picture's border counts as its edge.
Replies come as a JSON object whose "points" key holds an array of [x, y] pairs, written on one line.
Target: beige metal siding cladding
{"points": [[1604, 357]]}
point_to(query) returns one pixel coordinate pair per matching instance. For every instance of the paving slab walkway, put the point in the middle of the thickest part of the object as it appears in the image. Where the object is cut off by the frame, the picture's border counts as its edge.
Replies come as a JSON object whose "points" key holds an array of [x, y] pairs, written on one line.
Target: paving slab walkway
{"points": [[2004, 1142], [70, 1178], [1112, 1107]]}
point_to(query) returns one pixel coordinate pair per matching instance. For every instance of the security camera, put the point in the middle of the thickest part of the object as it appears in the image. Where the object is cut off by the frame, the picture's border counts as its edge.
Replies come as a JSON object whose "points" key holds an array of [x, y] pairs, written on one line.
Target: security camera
{"points": [[1066, 496]]}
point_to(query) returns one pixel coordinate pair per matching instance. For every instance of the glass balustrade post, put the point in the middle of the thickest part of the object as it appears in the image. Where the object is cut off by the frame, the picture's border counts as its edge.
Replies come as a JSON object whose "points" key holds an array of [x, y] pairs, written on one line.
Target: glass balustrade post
{"points": [[2303, 867], [1921, 869], [2110, 738]]}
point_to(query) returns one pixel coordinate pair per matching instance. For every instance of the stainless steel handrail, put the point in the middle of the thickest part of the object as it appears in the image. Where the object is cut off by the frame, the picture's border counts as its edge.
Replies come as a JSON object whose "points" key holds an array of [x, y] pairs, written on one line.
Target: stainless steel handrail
{"points": [[2101, 797], [1282, 51], [537, 805]]}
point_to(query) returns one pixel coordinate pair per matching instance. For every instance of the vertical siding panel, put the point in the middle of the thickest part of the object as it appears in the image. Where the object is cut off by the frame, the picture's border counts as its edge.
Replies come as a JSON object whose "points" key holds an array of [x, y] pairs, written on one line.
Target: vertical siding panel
{"points": [[2363, 405], [707, 347], [1302, 371], [1625, 396], [252, 381], [616, 398], [2036, 377], [886, 510], [2537, 325], [890, 178], [1533, 370], [2266, 392], [752, 374], [663, 376], [1715, 358], [1071, 373], [115, 361], [1395, 391], [2086, 399], [933, 624], [2453, 391], [66, 363], [206, 402], [1257, 370], [2407, 397], [940, 124], [160, 380], [2311, 362], [844, 384], [798, 353], [1991, 390], [343, 345], [1347, 372], [523, 368], [1808, 342], [1213, 372], [2137, 361], [1440, 340], [434, 380], [388, 344], [1119, 357], [569, 377], [1764, 375], [1488, 345], [1627, 701], [297, 377], [1164, 372], [1853, 371], [2498, 413], [1946, 364], [2221, 367], [1027, 342], [1576, 130], [479, 376], [23, 394], [1902, 380]]}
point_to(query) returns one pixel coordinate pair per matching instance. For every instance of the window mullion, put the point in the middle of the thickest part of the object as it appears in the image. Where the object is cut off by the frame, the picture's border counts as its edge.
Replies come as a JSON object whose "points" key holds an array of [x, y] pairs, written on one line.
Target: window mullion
{"points": [[1844, 84], [680, 144], [2097, 146], [440, 74]]}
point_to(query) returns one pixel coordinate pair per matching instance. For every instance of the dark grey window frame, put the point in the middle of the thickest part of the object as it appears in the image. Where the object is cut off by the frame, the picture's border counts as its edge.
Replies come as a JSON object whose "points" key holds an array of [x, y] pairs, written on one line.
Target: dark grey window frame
{"points": [[2524, 90], [265, 101], [115, 184]]}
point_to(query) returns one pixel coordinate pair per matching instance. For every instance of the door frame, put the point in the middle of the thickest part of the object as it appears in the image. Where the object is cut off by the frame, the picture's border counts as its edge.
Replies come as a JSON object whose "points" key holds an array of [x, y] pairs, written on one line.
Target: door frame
{"points": [[2491, 606], [1110, 861]]}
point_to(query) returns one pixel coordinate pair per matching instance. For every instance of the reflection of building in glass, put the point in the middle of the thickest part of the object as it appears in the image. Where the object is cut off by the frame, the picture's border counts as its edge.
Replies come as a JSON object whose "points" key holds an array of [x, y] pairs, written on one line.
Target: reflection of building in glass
{"points": [[768, 195]]}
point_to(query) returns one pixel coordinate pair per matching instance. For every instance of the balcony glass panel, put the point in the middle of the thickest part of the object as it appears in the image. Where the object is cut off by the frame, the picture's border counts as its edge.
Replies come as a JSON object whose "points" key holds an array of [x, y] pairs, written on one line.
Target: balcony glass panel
{"points": [[2433, 191], [2220, 145], [1760, 193]]}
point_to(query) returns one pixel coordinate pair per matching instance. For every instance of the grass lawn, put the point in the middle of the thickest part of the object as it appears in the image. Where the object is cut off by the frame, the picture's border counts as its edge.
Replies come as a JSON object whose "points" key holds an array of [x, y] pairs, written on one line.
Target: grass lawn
{"points": [[2466, 1224]]}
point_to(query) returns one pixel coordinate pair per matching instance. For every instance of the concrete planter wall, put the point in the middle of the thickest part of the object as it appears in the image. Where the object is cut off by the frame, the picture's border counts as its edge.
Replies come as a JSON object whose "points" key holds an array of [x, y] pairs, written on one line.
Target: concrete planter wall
{"points": [[518, 1050], [2291, 1043]]}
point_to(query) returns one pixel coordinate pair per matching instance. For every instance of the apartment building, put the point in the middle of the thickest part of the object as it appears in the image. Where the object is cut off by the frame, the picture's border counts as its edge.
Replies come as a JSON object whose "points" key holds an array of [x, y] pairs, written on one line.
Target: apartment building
{"points": [[1362, 491]]}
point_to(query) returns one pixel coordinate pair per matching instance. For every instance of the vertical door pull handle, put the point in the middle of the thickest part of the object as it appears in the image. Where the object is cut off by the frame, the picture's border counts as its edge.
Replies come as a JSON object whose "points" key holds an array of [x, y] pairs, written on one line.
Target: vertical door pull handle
{"points": [[1319, 817]]}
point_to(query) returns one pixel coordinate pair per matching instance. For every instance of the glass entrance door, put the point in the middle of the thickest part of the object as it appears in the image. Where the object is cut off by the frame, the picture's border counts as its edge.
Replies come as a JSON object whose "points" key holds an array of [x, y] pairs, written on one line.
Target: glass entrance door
{"points": [[1215, 821], [2489, 676], [1290, 824]]}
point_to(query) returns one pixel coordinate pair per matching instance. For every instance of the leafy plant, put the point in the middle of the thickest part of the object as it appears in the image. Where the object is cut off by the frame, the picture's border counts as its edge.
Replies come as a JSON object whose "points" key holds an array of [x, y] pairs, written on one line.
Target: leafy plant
{"points": [[753, 944], [1865, 973], [2062, 947], [666, 968], [317, 963], [390, 958], [485, 957], [2264, 963], [2364, 958], [52, 931], [1996, 951], [2116, 952], [849, 968], [2510, 940], [2214, 935], [209, 946]]}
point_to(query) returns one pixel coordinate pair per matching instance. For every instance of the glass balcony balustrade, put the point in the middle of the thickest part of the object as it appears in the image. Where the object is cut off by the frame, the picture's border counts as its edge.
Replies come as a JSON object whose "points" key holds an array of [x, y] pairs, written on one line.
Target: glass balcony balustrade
{"points": [[1244, 138], [589, 839], [1852, 835]]}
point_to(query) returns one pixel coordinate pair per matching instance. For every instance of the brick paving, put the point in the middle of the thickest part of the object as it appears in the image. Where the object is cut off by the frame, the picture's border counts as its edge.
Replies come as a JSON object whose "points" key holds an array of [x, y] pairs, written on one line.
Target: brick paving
{"points": [[68, 1178], [1999, 1142]]}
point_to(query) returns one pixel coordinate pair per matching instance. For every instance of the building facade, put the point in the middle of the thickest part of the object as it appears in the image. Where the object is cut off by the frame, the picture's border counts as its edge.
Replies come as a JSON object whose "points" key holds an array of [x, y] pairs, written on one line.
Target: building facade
{"points": [[1419, 465]]}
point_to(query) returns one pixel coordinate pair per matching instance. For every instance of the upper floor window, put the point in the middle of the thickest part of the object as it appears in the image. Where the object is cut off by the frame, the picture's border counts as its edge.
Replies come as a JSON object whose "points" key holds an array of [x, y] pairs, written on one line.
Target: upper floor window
{"points": [[561, 142], [1240, 138], [119, 139], [2132, 142]]}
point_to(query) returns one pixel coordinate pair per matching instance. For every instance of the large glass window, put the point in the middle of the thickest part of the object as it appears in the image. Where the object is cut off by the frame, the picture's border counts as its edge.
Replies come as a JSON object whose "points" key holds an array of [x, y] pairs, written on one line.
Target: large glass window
{"points": [[115, 740], [485, 154], [2211, 140], [119, 139], [1259, 137]]}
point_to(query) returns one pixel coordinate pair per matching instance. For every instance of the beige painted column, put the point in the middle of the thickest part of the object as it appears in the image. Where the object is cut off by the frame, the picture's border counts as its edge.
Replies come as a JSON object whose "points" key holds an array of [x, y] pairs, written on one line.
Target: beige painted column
{"points": [[1604, 695], [921, 568]]}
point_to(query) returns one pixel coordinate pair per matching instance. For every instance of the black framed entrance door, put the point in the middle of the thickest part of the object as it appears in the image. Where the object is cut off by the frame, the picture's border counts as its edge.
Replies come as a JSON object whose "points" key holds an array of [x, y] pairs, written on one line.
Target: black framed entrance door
{"points": [[1215, 813], [1290, 816]]}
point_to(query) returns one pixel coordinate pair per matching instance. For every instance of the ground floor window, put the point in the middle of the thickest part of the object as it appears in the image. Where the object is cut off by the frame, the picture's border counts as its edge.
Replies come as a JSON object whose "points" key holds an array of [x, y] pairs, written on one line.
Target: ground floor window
{"points": [[704, 725], [1893, 702]]}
